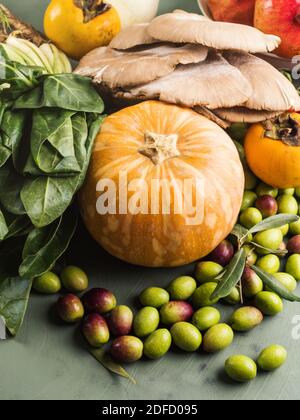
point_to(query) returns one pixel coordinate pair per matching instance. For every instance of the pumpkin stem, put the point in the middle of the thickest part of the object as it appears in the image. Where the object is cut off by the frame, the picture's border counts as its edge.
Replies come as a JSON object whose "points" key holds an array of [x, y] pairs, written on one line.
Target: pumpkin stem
{"points": [[285, 128], [92, 8], [159, 147]]}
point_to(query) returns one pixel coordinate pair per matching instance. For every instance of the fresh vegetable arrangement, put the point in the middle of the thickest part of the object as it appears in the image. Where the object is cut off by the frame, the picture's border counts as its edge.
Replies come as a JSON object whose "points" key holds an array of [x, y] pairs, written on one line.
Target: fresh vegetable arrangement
{"points": [[48, 123]]}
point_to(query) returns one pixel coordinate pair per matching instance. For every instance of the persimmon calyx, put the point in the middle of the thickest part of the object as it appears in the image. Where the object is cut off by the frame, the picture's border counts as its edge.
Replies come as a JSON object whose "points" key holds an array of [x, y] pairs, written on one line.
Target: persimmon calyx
{"points": [[92, 8], [285, 128], [159, 147]]}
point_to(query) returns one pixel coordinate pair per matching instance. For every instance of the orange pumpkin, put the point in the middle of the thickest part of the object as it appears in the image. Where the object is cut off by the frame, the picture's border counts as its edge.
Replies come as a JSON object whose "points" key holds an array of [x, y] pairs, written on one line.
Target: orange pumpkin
{"points": [[276, 162], [184, 184]]}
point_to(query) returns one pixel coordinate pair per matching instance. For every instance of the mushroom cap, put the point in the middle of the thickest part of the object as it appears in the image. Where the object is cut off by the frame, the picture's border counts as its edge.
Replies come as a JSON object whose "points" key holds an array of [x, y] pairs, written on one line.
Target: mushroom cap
{"points": [[196, 29], [210, 83], [245, 115], [132, 36], [272, 91], [120, 69]]}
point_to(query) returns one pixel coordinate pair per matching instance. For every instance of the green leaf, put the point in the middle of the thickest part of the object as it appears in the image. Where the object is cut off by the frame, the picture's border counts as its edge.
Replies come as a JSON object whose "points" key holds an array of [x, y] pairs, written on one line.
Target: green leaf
{"points": [[11, 184], [107, 361], [3, 226], [239, 232], [274, 222], [276, 285], [269, 250], [38, 261], [66, 91], [14, 296], [231, 276]]}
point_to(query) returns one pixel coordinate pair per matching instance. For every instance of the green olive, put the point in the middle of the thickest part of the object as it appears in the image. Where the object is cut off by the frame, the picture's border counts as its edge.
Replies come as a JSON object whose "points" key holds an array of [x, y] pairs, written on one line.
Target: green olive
{"points": [[251, 283], [241, 368], [250, 179], [270, 239], [269, 263], [74, 279], [293, 266], [286, 280], [297, 192], [295, 228], [146, 321], [248, 200], [70, 308], [48, 284], [234, 297], [207, 271], [246, 318], [287, 204], [186, 336], [157, 344], [285, 229], [287, 191], [202, 295], [250, 254], [154, 297], [264, 189], [272, 358], [182, 288], [268, 303], [206, 318], [218, 338], [250, 217]]}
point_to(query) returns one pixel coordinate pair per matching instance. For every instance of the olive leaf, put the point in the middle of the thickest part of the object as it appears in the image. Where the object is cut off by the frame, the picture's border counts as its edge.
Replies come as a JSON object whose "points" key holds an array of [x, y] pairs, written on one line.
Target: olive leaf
{"points": [[275, 285], [231, 276], [274, 222], [269, 250], [40, 258], [107, 361]]}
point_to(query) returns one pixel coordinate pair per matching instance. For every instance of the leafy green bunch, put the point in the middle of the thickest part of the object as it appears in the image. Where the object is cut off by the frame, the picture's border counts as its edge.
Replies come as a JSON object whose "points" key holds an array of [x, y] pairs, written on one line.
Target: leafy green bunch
{"points": [[48, 124]]}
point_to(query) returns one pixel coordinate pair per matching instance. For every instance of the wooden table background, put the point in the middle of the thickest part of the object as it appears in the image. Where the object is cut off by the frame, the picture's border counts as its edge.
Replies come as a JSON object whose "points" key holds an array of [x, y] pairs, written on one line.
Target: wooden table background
{"points": [[49, 361]]}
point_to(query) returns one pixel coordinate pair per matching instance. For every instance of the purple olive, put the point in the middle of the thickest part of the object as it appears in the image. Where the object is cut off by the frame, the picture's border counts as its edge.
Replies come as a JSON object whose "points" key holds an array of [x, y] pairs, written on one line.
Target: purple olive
{"points": [[251, 283], [176, 311], [223, 254], [267, 205], [120, 321], [95, 330], [293, 245], [127, 349], [70, 308], [100, 301]]}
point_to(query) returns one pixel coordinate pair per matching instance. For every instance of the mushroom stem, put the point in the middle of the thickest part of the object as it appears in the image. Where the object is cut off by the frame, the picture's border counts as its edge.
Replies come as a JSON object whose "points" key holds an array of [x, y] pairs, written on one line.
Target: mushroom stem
{"points": [[159, 147]]}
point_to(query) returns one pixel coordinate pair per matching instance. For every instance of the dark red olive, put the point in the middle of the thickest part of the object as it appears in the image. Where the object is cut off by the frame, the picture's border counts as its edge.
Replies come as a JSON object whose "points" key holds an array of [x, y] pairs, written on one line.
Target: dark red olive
{"points": [[223, 254], [95, 330], [267, 205], [100, 301], [293, 245], [127, 349], [120, 321], [70, 308]]}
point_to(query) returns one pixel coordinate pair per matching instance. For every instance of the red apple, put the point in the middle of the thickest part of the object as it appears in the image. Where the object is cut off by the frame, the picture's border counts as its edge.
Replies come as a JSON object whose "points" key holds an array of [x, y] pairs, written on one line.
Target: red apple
{"points": [[236, 11], [281, 18]]}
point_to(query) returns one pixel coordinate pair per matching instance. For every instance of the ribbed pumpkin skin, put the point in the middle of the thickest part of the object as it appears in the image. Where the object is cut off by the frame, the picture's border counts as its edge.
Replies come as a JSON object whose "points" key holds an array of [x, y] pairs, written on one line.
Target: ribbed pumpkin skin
{"points": [[164, 240]]}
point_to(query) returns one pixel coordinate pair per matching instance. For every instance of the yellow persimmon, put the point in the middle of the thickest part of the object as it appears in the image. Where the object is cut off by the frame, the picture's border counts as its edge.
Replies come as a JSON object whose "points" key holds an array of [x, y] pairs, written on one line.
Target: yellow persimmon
{"points": [[79, 26]]}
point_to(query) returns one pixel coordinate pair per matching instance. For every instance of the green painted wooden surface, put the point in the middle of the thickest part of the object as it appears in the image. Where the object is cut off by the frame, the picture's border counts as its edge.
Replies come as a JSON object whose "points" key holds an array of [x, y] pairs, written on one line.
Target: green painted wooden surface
{"points": [[49, 361]]}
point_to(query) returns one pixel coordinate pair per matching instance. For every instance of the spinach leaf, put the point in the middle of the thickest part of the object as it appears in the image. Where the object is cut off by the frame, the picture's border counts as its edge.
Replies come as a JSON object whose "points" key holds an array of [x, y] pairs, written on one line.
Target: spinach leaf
{"points": [[47, 198], [66, 91], [38, 261], [3, 226], [17, 225], [11, 184], [14, 296]]}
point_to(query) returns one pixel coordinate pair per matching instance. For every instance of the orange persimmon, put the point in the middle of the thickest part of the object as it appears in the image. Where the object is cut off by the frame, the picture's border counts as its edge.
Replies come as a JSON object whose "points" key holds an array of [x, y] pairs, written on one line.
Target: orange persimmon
{"points": [[79, 26], [276, 161]]}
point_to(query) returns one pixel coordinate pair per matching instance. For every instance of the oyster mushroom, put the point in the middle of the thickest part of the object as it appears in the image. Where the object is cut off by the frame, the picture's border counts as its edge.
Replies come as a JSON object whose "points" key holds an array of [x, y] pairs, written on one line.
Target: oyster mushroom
{"points": [[205, 112], [118, 69], [271, 89], [213, 83], [196, 29], [132, 36], [245, 115]]}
